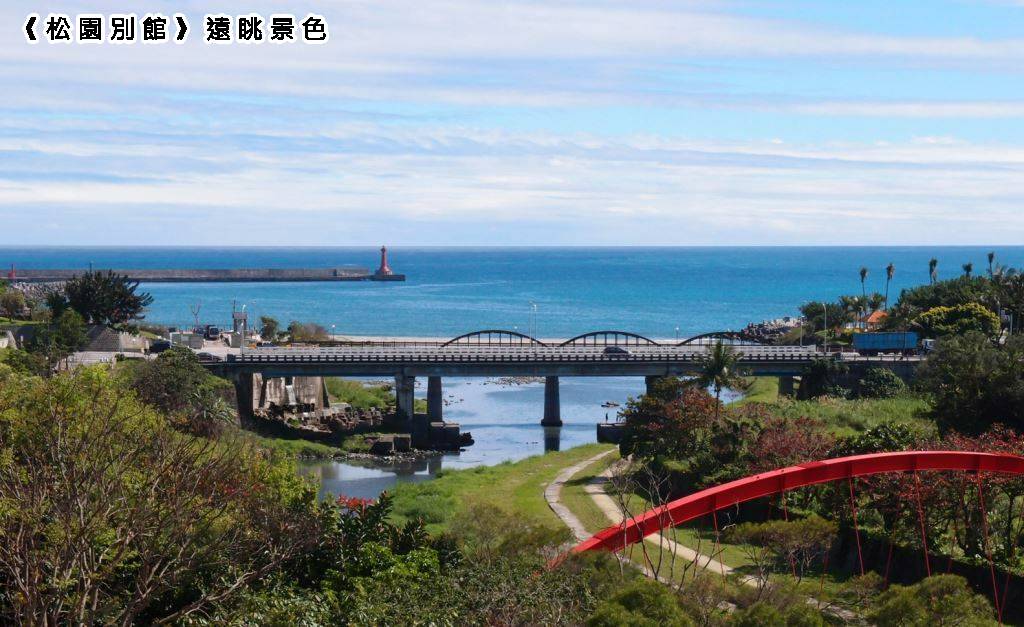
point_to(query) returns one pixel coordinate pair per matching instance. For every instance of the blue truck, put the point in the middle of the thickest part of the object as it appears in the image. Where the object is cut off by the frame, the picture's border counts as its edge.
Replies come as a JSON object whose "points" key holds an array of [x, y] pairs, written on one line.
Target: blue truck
{"points": [[904, 342]]}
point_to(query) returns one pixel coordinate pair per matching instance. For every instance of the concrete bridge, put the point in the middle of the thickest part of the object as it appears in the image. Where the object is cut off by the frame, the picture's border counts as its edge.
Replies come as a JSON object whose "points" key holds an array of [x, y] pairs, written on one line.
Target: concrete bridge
{"points": [[508, 353]]}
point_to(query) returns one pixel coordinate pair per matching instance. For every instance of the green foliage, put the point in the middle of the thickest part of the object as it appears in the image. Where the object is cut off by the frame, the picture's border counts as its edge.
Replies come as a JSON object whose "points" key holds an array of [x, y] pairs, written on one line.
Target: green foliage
{"points": [[881, 383], [270, 328], [12, 303], [885, 437], [109, 516], [176, 384], [941, 322], [758, 615], [106, 298], [306, 332], [719, 369], [975, 384], [959, 291], [820, 379], [937, 600], [848, 416], [803, 615], [642, 603], [359, 395], [800, 542], [57, 340]]}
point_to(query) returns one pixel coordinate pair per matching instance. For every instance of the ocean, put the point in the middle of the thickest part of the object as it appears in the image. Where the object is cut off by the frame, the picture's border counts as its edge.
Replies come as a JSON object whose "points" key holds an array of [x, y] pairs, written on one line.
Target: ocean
{"points": [[550, 292]]}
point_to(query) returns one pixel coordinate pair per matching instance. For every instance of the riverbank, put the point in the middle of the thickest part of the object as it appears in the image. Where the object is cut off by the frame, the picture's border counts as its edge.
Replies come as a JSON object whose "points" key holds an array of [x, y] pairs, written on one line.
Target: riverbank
{"points": [[516, 487]]}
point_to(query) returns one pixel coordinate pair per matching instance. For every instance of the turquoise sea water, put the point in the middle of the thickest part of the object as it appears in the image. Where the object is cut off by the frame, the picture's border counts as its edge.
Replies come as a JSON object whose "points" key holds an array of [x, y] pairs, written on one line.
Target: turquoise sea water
{"points": [[451, 290]]}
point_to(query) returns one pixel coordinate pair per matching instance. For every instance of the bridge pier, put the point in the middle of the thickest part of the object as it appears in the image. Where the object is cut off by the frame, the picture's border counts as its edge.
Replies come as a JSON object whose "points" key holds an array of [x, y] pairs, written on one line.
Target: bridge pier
{"points": [[552, 403], [244, 391], [787, 386], [435, 400], [405, 388]]}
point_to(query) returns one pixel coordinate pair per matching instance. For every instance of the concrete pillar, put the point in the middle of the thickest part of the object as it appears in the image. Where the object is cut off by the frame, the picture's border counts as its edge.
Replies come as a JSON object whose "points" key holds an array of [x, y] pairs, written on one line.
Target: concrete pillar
{"points": [[405, 388], [552, 403], [787, 386], [435, 400], [244, 397]]}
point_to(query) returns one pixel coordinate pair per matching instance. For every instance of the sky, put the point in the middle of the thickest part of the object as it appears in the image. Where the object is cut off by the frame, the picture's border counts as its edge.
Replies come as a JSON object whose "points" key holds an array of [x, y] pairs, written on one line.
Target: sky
{"points": [[485, 122]]}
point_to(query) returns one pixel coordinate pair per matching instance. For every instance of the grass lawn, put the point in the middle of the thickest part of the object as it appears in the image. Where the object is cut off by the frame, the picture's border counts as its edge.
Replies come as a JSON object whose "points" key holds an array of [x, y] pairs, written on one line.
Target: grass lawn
{"points": [[849, 417], [761, 390], [517, 487], [293, 448]]}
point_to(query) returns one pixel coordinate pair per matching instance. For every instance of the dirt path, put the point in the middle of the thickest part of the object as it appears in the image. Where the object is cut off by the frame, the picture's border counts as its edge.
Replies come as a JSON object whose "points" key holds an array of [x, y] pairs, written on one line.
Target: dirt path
{"points": [[553, 495]]}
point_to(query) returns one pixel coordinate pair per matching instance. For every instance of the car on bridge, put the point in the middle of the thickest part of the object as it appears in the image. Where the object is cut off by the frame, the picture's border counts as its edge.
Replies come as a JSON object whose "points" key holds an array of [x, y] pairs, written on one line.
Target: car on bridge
{"points": [[616, 351]]}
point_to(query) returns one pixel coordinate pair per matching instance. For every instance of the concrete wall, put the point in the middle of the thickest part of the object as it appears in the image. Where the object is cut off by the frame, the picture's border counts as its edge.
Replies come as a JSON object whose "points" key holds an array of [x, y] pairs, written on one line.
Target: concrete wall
{"points": [[301, 391]]}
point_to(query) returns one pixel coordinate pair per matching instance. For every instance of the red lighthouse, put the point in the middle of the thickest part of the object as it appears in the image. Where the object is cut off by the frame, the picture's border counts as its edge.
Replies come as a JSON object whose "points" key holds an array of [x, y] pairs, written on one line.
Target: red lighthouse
{"points": [[384, 269]]}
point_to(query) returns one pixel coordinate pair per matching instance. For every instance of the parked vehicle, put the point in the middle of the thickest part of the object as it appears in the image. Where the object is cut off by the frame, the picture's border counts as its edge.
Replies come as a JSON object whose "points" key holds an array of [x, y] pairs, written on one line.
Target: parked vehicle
{"points": [[898, 342], [212, 332], [159, 346]]}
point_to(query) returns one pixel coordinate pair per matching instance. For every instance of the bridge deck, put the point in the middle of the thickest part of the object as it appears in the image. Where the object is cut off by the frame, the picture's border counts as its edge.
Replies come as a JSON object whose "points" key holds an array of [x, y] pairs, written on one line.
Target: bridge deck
{"points": [[484, 360]]}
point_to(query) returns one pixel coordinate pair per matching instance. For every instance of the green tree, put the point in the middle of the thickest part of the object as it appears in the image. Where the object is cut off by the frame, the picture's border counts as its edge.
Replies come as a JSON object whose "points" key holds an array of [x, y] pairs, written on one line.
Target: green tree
{"points": [[269, 328], [940, 322], [991, 262], [968, 269], [719, 369], [933, 270], [642, 603], [12, 303], [176, 384], [108, 516], [937, 600], [821, 378], [56, 341], [106, 298], [974, 384], [306, 332]]}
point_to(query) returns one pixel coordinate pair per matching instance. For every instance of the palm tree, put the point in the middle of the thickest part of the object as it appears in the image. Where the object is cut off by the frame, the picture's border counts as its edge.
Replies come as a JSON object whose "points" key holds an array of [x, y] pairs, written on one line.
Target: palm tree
{"points": [[991, 260], [968, 269], [719, 369], [863, 289], [933, 273], [890, 270]]}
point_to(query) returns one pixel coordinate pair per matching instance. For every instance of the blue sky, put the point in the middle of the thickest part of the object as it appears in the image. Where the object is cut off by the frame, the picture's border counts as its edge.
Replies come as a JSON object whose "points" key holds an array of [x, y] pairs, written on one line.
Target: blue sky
{"points": [[480, 122]]}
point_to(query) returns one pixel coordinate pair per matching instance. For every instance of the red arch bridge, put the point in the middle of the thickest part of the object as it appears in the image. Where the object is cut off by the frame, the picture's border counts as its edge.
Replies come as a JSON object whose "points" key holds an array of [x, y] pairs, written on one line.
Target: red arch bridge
{"points": [[778, 482]]}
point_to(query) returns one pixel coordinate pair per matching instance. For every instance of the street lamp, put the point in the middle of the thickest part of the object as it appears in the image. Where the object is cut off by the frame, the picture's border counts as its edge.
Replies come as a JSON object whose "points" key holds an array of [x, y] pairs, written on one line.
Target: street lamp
{"points": [[677, 334]]}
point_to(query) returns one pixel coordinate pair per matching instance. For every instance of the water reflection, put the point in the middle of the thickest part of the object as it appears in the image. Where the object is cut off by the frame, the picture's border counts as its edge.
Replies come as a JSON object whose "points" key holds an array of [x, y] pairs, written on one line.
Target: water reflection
{"points": [[552, 439], [505, 422]]}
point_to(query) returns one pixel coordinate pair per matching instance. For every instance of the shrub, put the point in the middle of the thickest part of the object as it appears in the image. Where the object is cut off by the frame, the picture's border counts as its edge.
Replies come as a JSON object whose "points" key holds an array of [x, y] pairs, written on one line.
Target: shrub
{"points": [[975, 384], [937, 600], [759, 615], [642, 602], [881, 383], [957, 320], [145, 523]]}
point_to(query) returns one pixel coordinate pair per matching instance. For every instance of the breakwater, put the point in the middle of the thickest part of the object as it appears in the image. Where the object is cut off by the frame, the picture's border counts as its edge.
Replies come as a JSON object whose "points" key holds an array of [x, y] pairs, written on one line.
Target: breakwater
{"points": [[236, 275]]}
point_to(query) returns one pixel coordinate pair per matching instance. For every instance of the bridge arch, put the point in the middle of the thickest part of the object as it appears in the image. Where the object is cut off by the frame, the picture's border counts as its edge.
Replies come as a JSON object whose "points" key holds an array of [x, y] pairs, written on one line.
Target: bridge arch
{"points": [[494, 337], [712, 499], [609, 338], [728, 337]]}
